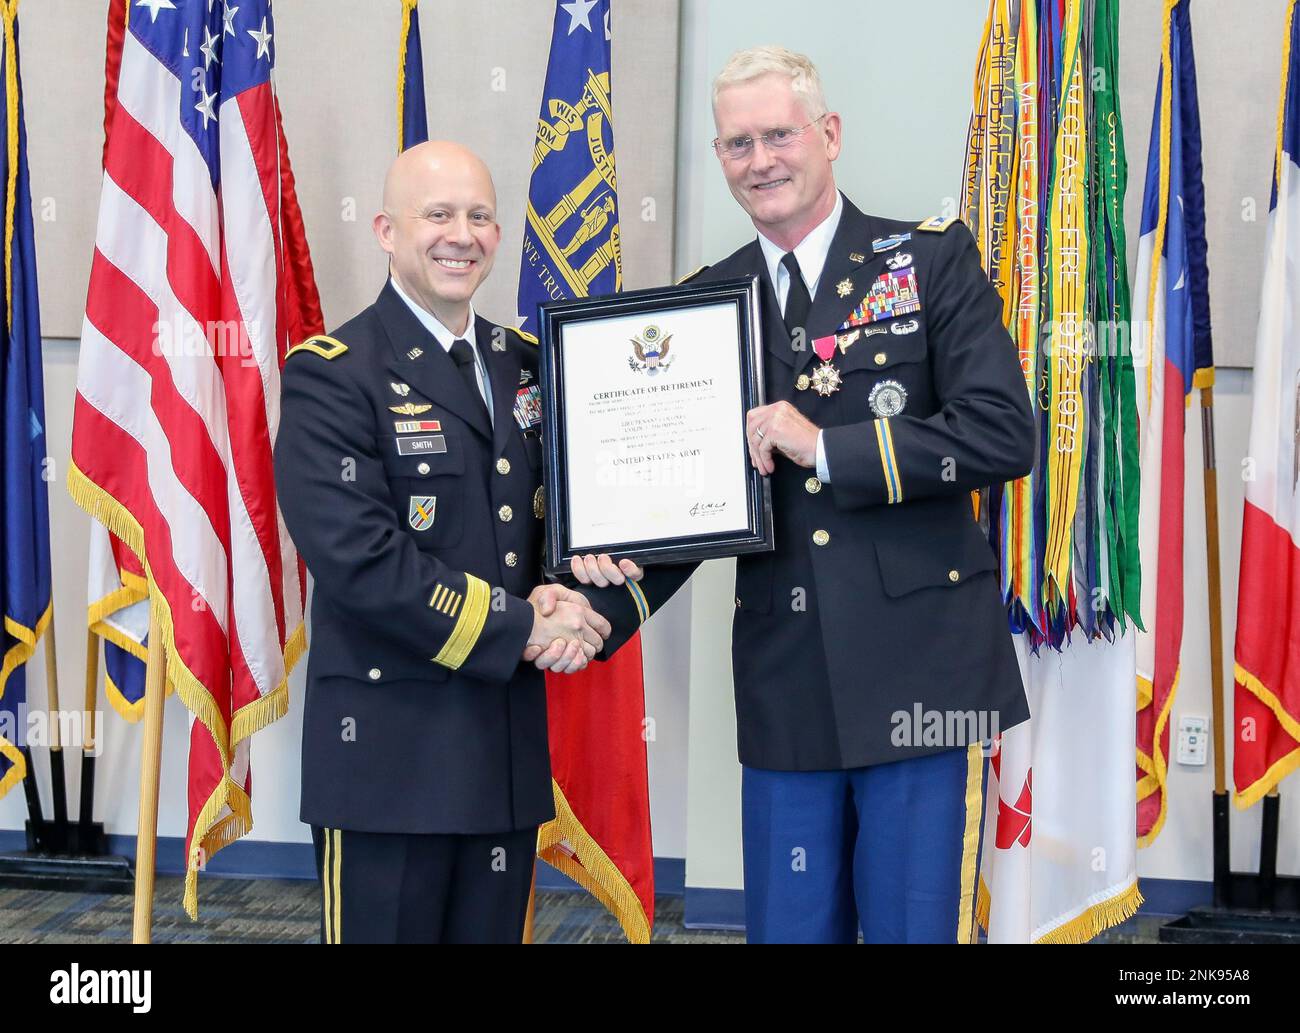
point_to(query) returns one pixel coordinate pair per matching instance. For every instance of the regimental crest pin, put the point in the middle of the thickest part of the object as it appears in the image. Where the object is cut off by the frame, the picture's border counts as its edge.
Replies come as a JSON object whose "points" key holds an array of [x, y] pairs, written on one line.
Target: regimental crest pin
{"points": [[420, 515], [844, 288], [650, 351], [409, 409], [402, 390], [887, 398]]}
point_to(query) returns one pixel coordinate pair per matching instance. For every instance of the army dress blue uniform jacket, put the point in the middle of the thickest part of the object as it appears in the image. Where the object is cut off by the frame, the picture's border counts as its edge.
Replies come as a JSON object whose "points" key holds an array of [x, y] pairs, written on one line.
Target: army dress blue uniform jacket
{"points": [[416, 518], [880, 602]]}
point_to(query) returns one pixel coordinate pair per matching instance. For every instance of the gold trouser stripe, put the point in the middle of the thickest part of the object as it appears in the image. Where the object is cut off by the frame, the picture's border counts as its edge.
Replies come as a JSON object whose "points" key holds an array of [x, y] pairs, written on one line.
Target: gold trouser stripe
{"points": [[326, 905], [332, 884], [638, 597], [469, 625], [970, 843], [338, 885]]}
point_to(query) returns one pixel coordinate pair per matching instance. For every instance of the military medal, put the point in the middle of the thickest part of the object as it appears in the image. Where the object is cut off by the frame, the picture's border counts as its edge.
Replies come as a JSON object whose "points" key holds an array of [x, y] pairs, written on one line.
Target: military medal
{"points": [[887, 398], [825, 379]]}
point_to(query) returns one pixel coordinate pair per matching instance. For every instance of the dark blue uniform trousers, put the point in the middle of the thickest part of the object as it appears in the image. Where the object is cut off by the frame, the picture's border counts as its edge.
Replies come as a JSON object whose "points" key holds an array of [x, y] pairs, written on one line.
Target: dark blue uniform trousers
{"points": [[892, 849], [386, 887]]}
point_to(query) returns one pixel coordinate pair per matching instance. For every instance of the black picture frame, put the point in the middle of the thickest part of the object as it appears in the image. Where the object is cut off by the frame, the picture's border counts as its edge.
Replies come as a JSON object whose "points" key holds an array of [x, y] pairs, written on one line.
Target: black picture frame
{"points": [[757, 536]]}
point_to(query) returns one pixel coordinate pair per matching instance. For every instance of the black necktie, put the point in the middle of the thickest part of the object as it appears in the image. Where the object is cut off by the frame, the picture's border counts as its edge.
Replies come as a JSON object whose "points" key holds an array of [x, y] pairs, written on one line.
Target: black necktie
{"points": [[462, 352], [797, 301]]}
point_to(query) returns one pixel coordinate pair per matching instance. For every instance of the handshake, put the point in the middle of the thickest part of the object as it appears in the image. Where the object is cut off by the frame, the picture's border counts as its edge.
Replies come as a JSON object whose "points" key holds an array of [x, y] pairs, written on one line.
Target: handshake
{"points": [[567, 632]]}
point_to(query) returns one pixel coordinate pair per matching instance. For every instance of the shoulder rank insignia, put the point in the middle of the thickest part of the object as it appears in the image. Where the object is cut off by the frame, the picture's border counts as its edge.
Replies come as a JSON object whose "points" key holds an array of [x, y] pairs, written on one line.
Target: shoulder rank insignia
{"points": [[525, 335], [325, 347], [691, 275], [937, 224]]}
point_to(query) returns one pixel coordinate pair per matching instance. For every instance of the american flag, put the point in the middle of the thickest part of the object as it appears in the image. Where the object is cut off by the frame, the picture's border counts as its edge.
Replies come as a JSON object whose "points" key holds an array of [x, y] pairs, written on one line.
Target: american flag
{"points": [[200, 281]]}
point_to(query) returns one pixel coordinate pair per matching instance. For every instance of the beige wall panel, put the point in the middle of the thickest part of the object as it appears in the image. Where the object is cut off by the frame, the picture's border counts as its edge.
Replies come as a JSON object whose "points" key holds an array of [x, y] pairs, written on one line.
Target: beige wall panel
{"points": [[1238, 46], [484, 63]]}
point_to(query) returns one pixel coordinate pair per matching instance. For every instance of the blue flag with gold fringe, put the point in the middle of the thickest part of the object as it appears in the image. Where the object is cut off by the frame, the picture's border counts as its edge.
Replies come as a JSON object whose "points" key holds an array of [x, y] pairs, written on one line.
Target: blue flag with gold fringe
{"points": [[571, 235], [600, 836], [25, 519], [412, 118]]}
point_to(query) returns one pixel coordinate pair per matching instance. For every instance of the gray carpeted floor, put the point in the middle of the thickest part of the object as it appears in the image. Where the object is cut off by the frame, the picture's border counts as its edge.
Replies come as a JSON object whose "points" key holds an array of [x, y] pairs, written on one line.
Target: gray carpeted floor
{"points": [[283, 911]]}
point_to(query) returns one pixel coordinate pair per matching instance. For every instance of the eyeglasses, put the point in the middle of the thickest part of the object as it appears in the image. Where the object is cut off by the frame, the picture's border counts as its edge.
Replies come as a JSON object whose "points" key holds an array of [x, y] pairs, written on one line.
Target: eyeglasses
{"points": [[738, 147]]}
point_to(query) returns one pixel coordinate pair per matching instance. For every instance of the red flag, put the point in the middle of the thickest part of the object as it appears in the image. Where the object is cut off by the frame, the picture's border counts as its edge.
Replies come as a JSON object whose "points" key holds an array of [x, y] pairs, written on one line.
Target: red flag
{"points": [[600, 837], [1267, 697], [113, 61], [199, 283], [601, 834]]}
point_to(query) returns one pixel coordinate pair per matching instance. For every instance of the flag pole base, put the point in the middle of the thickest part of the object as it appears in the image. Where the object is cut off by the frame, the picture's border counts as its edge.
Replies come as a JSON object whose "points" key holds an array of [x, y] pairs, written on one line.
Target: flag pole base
{"points": [[1248, 907], [72, 866], [1237, 925]]}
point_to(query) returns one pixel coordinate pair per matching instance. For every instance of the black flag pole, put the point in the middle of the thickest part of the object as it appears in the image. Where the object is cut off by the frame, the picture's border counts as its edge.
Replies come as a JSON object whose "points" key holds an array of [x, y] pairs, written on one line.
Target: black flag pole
{"points": [[60, 856], [1247, 907]]}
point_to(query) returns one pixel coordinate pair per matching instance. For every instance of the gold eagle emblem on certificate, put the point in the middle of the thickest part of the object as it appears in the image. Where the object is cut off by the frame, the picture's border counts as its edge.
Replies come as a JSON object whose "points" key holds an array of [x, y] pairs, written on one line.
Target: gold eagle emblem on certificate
{"points": [[650, 351]]}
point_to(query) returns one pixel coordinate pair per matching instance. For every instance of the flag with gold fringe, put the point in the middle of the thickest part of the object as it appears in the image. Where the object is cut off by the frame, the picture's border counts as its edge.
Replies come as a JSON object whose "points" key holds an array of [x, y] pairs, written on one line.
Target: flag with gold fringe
{"points": [[412, 119], [1266, 747], [1043, 194], [199, 282], [117, 593], [25, 587], [601, 833], [1172, 337]]}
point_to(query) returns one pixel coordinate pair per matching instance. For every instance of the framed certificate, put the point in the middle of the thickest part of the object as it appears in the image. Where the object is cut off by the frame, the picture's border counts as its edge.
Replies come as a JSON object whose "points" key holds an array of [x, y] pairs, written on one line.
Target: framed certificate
{"points": [[644, 396]]}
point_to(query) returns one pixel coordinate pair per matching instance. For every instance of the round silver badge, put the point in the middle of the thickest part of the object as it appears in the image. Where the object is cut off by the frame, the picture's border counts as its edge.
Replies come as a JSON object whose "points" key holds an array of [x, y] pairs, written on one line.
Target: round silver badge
{"points": [[887, 398]]}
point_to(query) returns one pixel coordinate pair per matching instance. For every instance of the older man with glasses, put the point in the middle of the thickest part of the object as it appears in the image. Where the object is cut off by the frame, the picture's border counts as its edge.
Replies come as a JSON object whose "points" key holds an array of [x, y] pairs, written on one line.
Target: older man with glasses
{"points": [[871, 651]]}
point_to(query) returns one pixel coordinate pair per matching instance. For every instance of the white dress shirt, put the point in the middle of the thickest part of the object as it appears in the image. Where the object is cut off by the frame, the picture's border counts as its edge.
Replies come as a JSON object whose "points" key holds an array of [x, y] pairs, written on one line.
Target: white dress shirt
{"points": [[446, 338], [811, 255]]}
